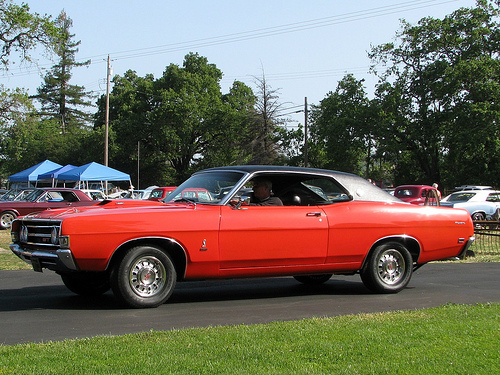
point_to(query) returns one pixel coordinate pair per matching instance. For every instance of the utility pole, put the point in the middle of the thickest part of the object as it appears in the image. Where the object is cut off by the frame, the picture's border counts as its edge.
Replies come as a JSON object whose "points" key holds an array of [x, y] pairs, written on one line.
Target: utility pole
{"points": [[106, 124], [138, 162], [305, 132]]}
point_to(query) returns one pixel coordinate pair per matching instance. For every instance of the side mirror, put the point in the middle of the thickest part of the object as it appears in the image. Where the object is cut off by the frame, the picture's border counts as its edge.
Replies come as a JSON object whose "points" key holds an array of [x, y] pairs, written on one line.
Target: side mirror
{"points": [[243, 201]]}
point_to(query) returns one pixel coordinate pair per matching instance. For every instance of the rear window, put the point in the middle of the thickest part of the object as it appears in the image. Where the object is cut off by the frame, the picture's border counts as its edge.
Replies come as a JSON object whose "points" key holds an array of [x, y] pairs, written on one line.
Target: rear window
{"points": [[406, 193], [460, 197]]}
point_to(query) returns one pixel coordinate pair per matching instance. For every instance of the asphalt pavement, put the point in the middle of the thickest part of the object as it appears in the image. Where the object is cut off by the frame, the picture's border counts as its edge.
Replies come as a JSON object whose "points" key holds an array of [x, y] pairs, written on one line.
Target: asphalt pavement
{"points": [[37, 307]]}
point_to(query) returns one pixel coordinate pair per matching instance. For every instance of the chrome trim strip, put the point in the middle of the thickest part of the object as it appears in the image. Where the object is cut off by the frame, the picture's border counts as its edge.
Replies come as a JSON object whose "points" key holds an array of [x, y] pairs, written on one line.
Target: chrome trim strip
{"points": [[171, 240]]}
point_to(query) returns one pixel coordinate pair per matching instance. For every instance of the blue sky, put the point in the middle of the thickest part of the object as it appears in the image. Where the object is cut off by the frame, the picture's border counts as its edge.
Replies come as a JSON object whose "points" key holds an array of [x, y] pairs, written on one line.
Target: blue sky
{"points": [[303, 47]]}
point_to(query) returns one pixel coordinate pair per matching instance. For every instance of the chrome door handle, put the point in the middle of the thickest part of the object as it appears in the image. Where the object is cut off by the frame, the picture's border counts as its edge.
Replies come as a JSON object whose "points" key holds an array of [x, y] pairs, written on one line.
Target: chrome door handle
{"points": [[313, 214]]}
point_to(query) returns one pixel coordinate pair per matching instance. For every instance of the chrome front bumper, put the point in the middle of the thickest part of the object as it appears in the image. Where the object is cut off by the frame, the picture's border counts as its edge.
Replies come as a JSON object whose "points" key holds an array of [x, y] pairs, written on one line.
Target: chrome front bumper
{"points": [[57, 260]]}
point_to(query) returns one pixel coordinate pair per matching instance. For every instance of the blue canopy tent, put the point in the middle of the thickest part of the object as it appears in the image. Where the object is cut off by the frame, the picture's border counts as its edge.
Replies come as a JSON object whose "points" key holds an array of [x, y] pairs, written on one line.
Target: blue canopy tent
{"points": [[54, 174], [32, 173], [93, 172]]}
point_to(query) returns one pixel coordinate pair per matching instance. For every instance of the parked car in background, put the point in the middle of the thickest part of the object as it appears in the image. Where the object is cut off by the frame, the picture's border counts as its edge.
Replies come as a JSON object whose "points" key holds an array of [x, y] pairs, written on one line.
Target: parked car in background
{"points": [[139, 193], [194, 194], [329, 223], [473, 187], [96, 195], [160, 193], [481, 204], [41, 199], [16, 195], [417, 194]]}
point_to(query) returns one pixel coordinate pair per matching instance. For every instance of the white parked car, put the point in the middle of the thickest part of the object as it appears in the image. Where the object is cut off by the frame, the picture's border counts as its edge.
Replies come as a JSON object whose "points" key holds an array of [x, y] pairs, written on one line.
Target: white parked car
{"points": [[481, 204], [95, 194]]}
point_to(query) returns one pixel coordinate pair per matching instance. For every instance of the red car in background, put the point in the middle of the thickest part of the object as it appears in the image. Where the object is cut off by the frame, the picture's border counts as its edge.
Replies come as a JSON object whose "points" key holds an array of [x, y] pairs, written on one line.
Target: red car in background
{"points": [[417, 194], [41, 199], [160, 193]]}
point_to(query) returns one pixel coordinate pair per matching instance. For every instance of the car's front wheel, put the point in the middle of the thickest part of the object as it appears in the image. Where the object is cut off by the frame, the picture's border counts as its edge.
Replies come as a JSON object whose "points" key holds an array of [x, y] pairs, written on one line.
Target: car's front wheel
{"points": [[388, 268], [144, 277], [6, 219]]}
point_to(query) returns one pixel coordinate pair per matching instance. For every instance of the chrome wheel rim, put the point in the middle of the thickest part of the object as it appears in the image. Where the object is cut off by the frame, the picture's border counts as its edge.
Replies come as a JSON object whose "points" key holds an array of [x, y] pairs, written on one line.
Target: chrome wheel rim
{"points": [[147, 276], [391, 267], [7, 220]]}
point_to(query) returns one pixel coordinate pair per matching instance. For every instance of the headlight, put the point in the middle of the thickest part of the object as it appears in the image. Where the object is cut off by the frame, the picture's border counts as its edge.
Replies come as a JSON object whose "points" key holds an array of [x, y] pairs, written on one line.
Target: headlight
{"points": [[14, 236], [54, 236]]}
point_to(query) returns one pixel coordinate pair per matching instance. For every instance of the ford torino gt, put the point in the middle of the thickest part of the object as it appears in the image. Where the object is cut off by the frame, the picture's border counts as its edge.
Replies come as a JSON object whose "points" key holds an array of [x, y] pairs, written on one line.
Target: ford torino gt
{"points": [[327, 223]]}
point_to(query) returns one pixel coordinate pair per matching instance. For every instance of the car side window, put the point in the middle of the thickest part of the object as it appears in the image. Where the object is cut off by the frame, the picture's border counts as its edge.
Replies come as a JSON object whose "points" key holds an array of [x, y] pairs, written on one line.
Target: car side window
{"points": [[53, 196], [494, 197], [316, 191], [68, 196]]}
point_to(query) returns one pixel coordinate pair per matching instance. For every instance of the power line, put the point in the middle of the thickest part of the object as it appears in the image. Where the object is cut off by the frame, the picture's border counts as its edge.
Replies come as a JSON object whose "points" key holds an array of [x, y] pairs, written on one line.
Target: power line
{"points": [[259, 33], [281, 29]]}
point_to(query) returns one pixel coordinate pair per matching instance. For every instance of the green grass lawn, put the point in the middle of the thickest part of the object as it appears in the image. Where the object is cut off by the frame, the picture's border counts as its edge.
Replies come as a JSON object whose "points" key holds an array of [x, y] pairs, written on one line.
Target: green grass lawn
{"points": [[453, 339]]}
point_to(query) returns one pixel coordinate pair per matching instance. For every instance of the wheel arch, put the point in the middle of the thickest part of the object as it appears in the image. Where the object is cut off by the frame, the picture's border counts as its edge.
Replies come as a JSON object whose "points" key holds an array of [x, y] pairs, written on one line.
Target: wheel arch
{"points": [[479, 211], [170, 246], [13, 210], [411, 243]]}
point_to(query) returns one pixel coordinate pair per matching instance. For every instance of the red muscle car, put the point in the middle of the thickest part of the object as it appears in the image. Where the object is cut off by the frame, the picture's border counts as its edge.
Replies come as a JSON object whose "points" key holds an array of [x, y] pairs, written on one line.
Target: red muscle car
{"points": [[329, 223]]}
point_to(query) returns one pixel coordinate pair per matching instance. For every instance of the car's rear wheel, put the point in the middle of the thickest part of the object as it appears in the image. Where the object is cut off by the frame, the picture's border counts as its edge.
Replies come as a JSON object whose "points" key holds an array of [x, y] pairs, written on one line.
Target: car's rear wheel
{"points": [[144, 277], [313, 279], [478, 216], [6, 219], [87, 283], [388, 268]]}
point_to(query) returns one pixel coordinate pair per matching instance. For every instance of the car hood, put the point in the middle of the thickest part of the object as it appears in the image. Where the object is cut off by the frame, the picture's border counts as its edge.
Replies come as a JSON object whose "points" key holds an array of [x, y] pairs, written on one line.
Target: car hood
{"points": [[106, 207]]}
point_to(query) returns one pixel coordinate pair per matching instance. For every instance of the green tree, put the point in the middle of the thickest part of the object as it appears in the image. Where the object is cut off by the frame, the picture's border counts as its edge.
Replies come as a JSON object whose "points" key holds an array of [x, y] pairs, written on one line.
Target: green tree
{"points": [[17, 122], [232, 145], [190, 112], [166, 128], [439, 97], [133, 139], [340, 137], [22, 31], [60, 99]]}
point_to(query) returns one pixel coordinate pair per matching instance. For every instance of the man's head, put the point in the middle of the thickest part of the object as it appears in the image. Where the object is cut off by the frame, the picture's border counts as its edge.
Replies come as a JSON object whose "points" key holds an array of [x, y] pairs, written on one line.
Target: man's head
{"points": [[261, 188]]}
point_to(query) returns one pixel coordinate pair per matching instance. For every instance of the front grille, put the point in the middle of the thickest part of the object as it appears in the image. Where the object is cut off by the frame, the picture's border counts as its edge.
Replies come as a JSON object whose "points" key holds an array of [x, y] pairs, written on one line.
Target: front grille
{"points": [[39, 233]]}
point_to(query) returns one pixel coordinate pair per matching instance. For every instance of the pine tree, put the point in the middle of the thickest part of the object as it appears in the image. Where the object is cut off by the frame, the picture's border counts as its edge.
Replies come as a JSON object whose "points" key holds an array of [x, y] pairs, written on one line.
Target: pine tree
{"points": [[58, 98]]}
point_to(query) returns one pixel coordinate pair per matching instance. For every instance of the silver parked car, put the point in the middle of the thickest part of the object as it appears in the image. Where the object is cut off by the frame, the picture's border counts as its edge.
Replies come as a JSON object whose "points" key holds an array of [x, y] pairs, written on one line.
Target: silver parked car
{"points": [[481, 204]]}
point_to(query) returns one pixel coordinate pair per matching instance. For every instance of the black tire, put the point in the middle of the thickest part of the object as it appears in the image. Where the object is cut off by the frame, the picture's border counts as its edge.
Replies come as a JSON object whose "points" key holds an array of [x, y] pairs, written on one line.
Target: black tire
{"points": [[313, 279], [87, 283], [388, 268], [145, 276], [478, 216], [6, 219]]}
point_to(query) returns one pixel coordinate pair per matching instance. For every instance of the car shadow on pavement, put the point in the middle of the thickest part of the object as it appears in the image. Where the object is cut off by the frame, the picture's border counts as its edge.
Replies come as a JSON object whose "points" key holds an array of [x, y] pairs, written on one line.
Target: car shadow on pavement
{"points": [[60, 298]]}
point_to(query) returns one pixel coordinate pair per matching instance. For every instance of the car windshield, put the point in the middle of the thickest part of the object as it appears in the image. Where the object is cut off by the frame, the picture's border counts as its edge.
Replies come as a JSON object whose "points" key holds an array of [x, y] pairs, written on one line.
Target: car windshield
{"points": [[34, 195], [208, 187], [407, 193], [460, 197]]}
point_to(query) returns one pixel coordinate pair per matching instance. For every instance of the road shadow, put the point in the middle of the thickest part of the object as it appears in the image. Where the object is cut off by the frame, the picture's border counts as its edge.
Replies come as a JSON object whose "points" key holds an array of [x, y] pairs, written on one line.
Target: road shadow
{"points": [[58, 297]]}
